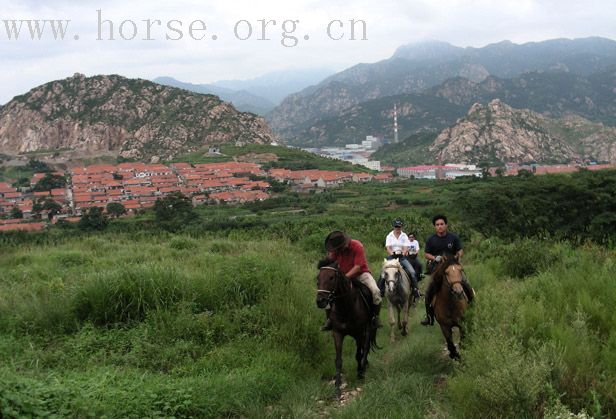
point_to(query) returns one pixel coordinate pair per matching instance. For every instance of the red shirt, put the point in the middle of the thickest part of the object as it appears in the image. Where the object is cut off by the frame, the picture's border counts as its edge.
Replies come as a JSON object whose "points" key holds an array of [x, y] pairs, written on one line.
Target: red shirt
{"points": [[353, 255]]}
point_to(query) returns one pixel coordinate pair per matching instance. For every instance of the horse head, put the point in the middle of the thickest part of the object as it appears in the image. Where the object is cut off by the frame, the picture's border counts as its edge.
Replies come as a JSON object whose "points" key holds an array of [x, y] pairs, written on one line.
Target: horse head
{"points": [[391, 273], [453, 275], [327, 282], [450, 271]]}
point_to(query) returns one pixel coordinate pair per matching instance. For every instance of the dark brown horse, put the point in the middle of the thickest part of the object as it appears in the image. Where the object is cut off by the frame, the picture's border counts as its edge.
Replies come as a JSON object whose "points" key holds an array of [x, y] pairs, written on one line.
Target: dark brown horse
{"points": [[450, 301], [350, 315]]}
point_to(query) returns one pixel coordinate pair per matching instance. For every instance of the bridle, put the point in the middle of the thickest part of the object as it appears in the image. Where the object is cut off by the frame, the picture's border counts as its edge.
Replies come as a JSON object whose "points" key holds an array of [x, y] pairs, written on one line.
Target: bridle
{"points": [[331, 295], [451, 283], [397, 276]]}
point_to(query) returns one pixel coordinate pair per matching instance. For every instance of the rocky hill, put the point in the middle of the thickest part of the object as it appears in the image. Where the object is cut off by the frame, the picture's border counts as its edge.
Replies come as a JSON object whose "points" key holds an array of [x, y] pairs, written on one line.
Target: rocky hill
{"points": [[418, 68], [130, 117], [497, 133]]}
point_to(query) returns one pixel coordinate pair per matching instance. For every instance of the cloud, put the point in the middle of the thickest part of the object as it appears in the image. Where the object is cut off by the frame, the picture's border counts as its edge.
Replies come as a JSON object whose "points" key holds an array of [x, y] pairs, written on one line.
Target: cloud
{"points": [[390, 23]]}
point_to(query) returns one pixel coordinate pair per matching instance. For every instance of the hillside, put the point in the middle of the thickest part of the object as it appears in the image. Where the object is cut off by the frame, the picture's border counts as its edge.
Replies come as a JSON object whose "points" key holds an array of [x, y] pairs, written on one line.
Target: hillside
{"points": [[497, 133], [420, 67], [120, 116], [552, 93], [135, 321]]}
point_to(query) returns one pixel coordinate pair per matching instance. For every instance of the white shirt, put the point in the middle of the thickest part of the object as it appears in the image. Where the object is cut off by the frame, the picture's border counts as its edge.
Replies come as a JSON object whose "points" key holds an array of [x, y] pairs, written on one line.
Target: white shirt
{"points": [[414, 247], [398, 244]]}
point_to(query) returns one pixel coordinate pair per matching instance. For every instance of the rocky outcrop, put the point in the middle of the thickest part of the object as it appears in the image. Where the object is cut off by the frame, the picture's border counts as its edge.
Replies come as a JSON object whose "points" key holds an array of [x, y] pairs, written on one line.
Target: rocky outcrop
{"points": [[497, 132], [133, 118]]}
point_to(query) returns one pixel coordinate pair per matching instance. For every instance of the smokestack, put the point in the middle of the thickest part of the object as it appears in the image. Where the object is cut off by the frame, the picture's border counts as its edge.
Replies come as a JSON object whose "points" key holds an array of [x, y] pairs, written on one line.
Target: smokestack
{"points": [[395, 123]]}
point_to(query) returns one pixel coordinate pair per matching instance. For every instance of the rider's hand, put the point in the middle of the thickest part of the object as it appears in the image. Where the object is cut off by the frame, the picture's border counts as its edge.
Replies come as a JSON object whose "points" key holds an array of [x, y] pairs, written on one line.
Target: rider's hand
{"points": [[438, 259]]}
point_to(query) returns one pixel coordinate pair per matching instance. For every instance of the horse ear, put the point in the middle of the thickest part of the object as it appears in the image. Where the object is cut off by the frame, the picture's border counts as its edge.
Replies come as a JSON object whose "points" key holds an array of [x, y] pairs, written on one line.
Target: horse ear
{"points": [[385, 260]]}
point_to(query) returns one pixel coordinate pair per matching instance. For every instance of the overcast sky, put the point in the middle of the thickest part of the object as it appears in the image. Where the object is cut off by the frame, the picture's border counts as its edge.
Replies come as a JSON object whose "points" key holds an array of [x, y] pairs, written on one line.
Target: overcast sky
{"points": [[389, 24]]}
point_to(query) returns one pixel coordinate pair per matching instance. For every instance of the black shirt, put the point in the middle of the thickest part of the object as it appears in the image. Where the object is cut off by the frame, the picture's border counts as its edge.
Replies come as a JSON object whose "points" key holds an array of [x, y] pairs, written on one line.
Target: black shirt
{"points": [[448, 245]]}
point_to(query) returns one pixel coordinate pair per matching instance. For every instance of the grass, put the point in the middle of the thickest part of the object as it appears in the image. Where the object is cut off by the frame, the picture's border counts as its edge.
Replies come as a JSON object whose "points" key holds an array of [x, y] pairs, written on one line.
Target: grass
{"points": [[220, 321]]}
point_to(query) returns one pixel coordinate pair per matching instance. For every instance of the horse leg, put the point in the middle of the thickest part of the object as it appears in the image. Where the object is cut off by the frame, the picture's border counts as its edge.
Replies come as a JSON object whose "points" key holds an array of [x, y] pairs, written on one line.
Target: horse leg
{"points": [[462, 334], [359, 356], [365, 341], [338, 339], [405, 318], [392, 321], [447, 332]]}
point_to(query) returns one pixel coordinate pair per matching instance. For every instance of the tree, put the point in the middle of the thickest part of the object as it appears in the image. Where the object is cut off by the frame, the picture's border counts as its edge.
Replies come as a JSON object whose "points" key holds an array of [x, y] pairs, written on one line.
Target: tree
{"points": [[38, 166], [52, 207], [49, 182], [115, 209], [173, 211], [16, 212], [500, 172], [93, 219]]}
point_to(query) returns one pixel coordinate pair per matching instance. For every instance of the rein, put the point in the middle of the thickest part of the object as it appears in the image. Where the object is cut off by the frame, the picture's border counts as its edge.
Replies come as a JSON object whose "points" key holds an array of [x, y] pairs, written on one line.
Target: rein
{"points": [[332, 294]]}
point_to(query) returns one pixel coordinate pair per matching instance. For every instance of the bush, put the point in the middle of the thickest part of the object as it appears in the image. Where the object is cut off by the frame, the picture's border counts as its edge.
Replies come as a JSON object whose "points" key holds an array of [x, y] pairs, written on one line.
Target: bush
{"points": [[527, 257], [126, 295]]}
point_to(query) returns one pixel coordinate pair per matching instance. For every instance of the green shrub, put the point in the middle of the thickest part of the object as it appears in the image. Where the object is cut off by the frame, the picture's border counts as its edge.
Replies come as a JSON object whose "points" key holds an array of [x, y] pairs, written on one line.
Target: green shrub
{"points": [[127, 294], [498, 378], [182, 243], [526, 257]]}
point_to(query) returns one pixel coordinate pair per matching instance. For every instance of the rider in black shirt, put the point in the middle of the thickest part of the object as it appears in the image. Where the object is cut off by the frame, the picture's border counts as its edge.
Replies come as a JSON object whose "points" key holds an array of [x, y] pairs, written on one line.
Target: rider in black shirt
{"points": [[442, 243]]}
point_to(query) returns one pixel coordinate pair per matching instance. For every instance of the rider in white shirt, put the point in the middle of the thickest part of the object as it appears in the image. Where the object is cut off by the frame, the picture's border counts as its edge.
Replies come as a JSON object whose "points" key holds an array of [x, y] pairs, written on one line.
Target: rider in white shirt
{"points": [[398, 245]]}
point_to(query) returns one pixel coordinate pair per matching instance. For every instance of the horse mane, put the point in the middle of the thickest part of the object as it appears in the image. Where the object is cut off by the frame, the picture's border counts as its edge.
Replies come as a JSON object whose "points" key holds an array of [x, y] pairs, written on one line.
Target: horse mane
{"points": [[393, 263], [441, 268], [327, 263]]}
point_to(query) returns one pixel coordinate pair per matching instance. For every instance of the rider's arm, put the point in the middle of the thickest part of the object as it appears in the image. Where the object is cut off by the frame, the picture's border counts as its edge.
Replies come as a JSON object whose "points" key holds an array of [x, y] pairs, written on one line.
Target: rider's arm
{"points": [[354, 271], [459, 254], [405, 250], [429, 256], [331, 255], [390, 250]]}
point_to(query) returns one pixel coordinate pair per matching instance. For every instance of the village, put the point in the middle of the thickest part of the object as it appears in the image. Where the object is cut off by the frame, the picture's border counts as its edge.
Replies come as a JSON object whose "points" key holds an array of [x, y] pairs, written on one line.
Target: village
{"points": [[137, 186]]}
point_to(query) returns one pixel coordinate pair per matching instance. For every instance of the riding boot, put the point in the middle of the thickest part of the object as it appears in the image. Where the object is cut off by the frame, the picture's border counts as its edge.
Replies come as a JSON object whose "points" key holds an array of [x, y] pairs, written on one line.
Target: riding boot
{"points": [[381, 285], [468, 290], [429, 320], [416, 293], [376, 311], [328, 323]]}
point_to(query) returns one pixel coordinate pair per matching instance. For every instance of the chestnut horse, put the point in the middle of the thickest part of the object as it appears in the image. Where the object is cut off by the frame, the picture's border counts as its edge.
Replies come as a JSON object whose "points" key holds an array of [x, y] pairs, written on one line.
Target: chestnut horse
{"points": [[350, 315], [450, 301]]}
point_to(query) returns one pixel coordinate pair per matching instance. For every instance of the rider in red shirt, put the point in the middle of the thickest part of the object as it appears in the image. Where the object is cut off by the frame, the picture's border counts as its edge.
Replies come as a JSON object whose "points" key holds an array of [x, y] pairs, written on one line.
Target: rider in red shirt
{"points": [[352, 263]]}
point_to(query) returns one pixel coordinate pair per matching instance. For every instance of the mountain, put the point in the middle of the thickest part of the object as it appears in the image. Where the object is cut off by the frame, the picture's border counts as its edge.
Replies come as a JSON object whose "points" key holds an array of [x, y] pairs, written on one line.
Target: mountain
{"points": [[416, 113], [131, 117], [242, 100], [277, 85], [417, 68], [552, 93], [497, 133]]}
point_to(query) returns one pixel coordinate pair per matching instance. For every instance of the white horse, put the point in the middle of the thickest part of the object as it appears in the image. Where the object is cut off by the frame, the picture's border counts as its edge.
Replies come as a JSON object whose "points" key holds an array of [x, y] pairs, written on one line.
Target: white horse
{"points": [[398, 292]]}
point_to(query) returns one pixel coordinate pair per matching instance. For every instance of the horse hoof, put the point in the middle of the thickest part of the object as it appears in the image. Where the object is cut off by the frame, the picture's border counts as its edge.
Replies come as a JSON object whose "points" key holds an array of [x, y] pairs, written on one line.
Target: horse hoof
{"points": [[455, 356], [404, 332]]}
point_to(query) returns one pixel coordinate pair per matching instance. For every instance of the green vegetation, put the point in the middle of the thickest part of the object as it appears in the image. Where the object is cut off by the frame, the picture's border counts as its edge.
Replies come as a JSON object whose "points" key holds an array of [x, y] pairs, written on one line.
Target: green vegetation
{"points": [[218, 318], [413, 150], [20, 176], [287, 158], [49, 182]]}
